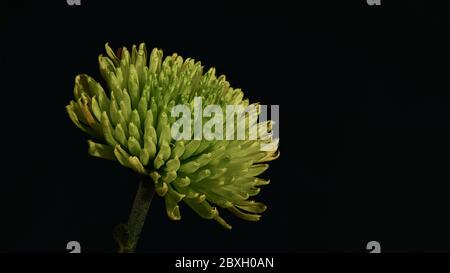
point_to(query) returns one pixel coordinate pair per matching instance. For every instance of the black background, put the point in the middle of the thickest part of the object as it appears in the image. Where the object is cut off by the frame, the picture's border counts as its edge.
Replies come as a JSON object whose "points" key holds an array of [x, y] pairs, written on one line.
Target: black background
{"points": [[363, 94]]}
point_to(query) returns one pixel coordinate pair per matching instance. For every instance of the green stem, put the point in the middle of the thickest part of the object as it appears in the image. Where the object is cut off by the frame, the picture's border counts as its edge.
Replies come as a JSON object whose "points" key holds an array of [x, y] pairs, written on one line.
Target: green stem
{"points": [[127, 236]]}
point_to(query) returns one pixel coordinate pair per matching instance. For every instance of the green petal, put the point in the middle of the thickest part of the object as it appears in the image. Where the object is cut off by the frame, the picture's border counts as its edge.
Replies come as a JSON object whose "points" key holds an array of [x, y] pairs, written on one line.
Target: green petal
{"points": [[75, 120], [203, 209], [173, 164], [115, 86], [134, 146], [206, 211], [101, 150], [107, 130], [217, 172], [136, 165], [112, 55], [171, 199], [162, 122], [133, 86], [243, 215], [141, 60], [257, 169], [254, 207], [189, 167], [123, 122], [142, 110], [149, 130], [134, 131], [203, 159], [122, 156], [158, 162], [144, 157], [155, 60], [190, 148], [136, 119], [119, 135], [125, 105], [169, 176], [114, 111], [150, 147], [199, 176], [96, 109], [161, 188], [162, 156], [182, 181], [178, 150], [261, 182]]}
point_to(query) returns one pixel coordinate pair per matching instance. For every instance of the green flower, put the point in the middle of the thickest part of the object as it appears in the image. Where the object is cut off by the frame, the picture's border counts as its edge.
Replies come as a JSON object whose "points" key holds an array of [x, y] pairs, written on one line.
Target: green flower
{"points": [[132, 125]]}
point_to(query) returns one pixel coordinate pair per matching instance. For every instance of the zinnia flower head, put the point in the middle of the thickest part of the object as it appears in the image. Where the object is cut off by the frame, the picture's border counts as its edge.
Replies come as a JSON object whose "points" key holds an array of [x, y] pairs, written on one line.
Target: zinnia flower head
{"points": [[132, 125]]}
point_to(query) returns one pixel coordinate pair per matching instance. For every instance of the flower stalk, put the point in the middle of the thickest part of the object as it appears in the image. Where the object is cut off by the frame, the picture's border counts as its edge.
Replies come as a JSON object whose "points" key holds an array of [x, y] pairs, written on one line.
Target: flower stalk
{"points": [[127, 236]]}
